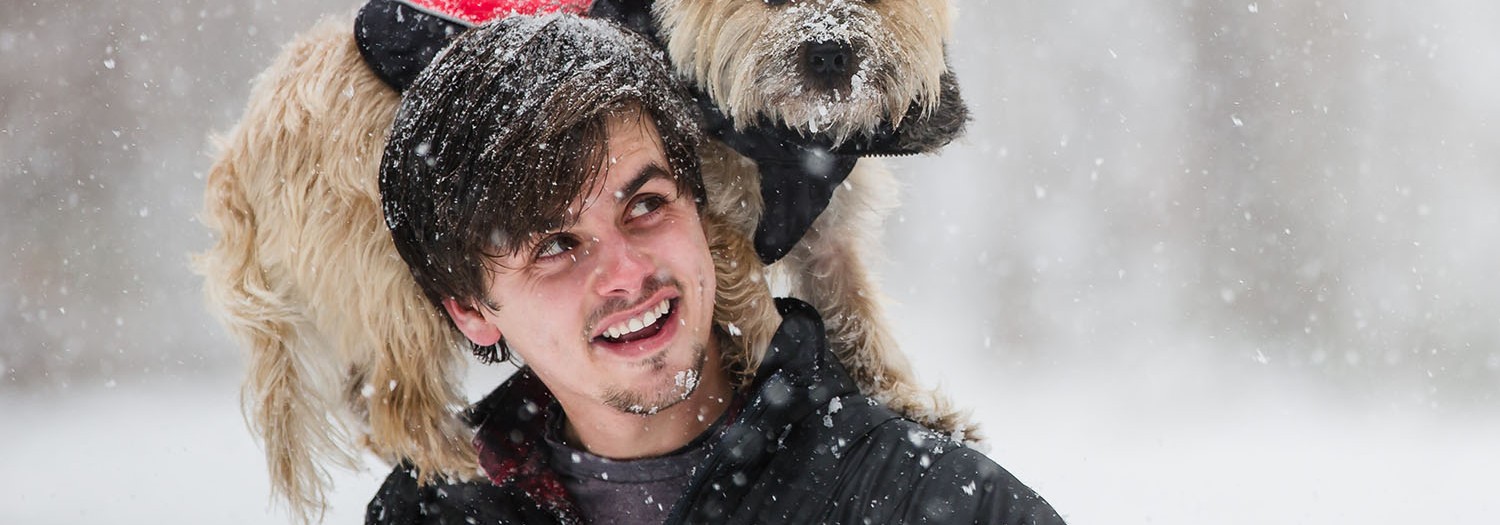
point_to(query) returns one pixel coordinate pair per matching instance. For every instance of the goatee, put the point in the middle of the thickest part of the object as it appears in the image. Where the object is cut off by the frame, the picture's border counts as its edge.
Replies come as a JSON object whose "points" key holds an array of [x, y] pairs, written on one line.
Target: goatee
{"points": [[664, 396]]}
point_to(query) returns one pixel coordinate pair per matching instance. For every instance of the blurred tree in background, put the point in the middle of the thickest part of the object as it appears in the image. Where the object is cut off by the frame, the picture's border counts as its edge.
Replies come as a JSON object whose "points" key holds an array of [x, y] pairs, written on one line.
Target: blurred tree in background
{"points": [[106, 109]]}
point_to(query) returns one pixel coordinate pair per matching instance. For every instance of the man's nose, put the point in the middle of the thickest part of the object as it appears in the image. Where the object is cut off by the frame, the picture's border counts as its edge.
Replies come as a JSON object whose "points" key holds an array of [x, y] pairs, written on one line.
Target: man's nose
{"points": [[623, 267]]}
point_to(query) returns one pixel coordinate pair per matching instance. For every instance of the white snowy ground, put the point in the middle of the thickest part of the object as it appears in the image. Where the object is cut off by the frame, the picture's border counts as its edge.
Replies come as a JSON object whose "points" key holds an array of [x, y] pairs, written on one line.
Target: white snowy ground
{"points": [[1150, 443]]}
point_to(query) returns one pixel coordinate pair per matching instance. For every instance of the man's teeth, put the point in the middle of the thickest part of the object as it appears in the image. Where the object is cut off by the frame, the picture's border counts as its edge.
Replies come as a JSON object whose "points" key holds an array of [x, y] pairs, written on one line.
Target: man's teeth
{"points": [[646, 319]]}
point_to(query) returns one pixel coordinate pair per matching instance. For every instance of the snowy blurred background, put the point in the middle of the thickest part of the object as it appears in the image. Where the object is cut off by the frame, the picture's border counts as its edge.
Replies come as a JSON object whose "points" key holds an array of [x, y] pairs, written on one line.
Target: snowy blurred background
{"points": [[1195, 262]]}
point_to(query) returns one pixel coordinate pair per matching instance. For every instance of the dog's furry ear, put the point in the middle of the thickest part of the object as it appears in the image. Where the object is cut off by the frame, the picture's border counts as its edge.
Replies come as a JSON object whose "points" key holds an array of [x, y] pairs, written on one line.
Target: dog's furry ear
{"points": [[920, 132]]}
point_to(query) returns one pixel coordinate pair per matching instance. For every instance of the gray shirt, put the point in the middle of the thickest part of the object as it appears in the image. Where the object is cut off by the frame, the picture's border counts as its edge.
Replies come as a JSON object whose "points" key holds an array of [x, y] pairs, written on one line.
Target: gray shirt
{"points": [[630, 492]]}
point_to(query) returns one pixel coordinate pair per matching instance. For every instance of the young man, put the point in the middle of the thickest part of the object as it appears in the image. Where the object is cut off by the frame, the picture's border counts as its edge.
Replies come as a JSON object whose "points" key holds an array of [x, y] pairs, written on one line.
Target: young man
{"points": [[542, 184]]}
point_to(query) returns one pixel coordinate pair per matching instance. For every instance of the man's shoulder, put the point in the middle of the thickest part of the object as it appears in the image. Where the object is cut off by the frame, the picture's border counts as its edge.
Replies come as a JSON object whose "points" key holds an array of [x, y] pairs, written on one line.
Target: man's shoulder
{"points": [[879, 462], [959, 484], [869, 440]]}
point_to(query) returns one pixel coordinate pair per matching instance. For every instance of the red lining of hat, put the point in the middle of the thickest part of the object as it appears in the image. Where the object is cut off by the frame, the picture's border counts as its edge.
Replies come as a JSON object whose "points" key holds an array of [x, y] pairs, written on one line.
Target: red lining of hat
{"points": [[477, 12]]}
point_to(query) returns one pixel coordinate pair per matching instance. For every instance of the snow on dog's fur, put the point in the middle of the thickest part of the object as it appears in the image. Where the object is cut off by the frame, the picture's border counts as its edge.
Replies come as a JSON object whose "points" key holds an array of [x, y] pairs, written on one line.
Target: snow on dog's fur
{"points": [[346, 352], [752, 59]]}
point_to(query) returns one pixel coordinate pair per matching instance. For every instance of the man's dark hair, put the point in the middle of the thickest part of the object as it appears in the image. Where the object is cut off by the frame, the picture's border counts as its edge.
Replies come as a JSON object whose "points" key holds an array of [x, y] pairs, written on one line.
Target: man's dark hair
{"points": [[505, 128]]}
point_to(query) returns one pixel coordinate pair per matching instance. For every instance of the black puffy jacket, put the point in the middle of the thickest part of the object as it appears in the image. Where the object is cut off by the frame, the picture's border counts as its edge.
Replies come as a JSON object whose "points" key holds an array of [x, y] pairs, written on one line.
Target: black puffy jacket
{"points": [[806, 448]]}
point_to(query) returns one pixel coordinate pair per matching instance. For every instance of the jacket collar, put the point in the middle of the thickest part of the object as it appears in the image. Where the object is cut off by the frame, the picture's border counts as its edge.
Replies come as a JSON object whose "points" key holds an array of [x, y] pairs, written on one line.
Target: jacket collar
{"points": [[797, 377], [798, 374], [512, 426]]}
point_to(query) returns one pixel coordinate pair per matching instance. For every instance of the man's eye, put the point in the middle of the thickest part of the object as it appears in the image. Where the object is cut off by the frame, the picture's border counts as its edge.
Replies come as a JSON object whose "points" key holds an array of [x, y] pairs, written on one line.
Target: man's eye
{"points": [[554, 246], [646, 205]]}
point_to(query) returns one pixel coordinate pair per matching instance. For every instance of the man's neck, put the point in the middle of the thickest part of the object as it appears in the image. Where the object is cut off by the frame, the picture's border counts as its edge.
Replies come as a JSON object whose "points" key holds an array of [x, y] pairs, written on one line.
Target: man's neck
{"points": [[610, 433]]}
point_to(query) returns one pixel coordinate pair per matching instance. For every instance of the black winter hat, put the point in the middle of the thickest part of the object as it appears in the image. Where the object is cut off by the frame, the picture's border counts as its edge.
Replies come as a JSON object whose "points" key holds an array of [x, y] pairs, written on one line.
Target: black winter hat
{"points": [[398, 38]]}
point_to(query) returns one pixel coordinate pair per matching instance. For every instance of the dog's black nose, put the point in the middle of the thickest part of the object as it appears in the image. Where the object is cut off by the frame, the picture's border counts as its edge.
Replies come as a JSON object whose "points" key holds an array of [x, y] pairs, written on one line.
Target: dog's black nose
{"points": [[830, 62]]}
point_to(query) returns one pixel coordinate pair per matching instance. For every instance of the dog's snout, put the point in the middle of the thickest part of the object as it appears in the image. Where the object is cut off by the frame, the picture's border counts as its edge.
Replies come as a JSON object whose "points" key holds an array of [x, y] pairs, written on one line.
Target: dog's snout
{"points": [[830, 62]]}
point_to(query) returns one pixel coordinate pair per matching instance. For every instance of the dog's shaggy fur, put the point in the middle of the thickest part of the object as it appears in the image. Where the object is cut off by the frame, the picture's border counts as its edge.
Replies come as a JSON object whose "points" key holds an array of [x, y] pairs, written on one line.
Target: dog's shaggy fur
{"points": [[750, 57], [345, 349], [343, 346]]}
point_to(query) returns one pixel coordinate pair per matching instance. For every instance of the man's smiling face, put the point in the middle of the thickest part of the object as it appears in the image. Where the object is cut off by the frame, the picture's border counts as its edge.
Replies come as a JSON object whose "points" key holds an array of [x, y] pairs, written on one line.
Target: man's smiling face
{"points": [[616, 305]]}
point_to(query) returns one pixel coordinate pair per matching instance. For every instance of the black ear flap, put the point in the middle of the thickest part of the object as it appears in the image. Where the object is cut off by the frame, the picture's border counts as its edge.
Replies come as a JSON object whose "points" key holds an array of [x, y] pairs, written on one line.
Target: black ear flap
{"points": [[398, 40], [918, 133], [635, 15], [945, 123]]}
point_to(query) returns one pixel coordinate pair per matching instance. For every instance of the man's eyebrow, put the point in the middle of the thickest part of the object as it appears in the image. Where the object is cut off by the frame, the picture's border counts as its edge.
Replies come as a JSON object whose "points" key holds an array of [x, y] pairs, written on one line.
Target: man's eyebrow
{"points": [[651, 171]]}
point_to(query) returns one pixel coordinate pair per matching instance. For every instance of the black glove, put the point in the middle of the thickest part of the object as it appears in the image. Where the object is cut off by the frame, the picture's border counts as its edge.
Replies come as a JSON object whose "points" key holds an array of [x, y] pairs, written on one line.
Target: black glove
{"points": [[797, 177]]}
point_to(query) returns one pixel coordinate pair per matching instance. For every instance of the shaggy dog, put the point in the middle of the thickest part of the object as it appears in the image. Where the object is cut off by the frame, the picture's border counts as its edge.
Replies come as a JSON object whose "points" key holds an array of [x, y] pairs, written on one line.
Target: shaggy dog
{"points": [[345, 348], [867, 77]]}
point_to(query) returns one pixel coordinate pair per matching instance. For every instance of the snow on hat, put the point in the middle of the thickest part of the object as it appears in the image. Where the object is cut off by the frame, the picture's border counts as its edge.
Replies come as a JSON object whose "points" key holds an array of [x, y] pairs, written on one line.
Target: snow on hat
{"points": [[398, 38]]}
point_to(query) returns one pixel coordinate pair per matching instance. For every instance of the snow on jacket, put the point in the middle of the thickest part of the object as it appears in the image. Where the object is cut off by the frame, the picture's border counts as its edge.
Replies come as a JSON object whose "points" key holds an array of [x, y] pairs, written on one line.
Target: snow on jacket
{"points": [[805, 448]]}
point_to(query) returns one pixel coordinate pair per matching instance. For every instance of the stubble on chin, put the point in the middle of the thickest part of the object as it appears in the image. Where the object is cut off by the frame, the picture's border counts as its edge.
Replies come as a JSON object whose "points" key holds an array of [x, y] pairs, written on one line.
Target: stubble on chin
{"points": [[663, 396]]}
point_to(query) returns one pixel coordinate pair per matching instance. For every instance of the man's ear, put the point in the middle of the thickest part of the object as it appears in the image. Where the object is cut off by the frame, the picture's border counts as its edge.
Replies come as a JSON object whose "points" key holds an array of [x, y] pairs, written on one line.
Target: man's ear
{"points": [[472, 323]]}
